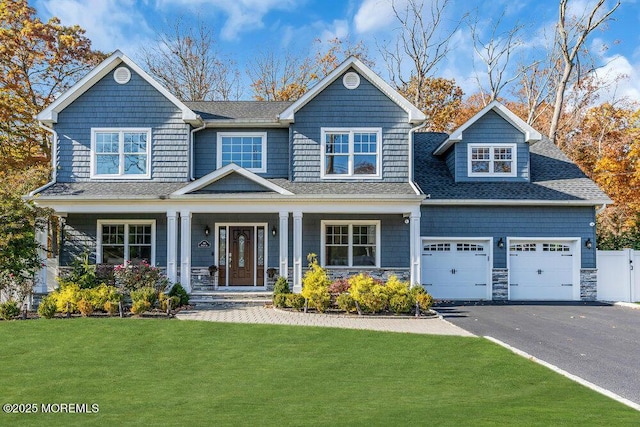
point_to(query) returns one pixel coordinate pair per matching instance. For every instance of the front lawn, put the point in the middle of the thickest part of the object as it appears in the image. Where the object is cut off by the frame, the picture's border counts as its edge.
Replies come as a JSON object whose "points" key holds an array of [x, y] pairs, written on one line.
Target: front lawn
{"points": [[169, 372]]}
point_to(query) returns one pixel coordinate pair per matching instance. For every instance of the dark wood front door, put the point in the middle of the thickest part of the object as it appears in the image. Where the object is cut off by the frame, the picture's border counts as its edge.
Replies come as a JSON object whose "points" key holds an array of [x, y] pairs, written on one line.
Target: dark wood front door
{"points": [[241, 256]]}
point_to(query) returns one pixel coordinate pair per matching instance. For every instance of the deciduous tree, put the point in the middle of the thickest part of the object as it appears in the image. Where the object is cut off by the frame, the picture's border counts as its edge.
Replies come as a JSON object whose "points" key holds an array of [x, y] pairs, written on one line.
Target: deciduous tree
{"points": [[38, 61]]}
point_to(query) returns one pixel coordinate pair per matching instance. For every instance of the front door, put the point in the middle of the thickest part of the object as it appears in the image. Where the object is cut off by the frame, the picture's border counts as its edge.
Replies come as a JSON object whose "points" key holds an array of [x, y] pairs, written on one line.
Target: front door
{"points": [[241, 263]]}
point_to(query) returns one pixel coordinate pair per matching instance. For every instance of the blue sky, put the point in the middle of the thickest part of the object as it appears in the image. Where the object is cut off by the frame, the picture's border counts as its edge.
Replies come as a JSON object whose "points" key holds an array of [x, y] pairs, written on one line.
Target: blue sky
{"points": [[244, 28]]}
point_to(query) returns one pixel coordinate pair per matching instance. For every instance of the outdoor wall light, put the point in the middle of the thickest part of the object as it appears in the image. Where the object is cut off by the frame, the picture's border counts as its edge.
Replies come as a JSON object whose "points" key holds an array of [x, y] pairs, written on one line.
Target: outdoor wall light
{"points": [[406, 220], [274, 231], [207, 230], [588, 244], [500, 243]]}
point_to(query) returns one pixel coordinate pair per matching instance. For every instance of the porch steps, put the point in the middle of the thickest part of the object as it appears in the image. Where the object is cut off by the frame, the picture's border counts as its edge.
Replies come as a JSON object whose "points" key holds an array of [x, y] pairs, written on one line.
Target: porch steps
{"points": [[222, 299]]}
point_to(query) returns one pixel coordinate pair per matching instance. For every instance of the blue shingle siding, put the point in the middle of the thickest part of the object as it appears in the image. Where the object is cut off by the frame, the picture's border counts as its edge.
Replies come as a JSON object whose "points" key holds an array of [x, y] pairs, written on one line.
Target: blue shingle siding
{"points": [[339, 107], [110, 105], [80, 235], [233, 183], [490, 129], [394, 237], [205, 151], [511, 221]]}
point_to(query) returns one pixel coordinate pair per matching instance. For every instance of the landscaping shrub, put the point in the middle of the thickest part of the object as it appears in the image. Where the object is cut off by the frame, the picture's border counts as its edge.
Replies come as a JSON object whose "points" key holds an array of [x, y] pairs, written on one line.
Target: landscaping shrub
{"points": [[142, 275], [111, 307], [85, 307], [67, 296], [281, 286], [47, 307], [425, 301], [315, 285], [280, 300], [401, 303], [178, 291], [295, 301], [346, 302], [100, 295], [369, 293], [140, 306], [9, 309], [339, 286], [164, 299], [147, 294], [82, 274]]}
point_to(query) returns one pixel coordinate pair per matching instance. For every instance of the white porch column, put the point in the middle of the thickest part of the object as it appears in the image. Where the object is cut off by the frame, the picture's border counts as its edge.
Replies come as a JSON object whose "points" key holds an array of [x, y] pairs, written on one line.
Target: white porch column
{"points": [[416, 247], [172, 246], [185, 250], [284, 245], [297, 251], [41, 238]]}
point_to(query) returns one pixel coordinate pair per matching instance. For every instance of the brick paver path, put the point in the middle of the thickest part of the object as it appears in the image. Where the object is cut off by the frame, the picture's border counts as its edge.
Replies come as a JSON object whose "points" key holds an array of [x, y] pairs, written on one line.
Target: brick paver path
{"points": [[435, 326]]}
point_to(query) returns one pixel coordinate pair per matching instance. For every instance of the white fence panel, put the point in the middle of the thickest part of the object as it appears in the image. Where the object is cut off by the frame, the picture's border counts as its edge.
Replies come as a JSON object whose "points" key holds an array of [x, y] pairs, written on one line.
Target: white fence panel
{"points": [[615, 275], [635, 290]]}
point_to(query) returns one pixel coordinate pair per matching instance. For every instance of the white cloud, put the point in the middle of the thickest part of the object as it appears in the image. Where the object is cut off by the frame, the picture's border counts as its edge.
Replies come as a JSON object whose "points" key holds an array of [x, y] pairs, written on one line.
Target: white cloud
{"points": [[338, 29], [242, 15], [374, 15], [621, 80], [110, 25]]}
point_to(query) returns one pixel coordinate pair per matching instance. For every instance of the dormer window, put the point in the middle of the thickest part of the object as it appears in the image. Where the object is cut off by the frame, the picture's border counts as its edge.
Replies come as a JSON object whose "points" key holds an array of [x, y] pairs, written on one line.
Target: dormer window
{"points": [[351, 153], [245, 149], [497, 160]]}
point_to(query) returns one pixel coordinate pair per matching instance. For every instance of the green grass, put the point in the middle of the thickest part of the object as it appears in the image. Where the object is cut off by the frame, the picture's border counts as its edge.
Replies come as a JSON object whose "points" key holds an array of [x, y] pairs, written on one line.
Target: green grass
{"points": [[169, 372]]}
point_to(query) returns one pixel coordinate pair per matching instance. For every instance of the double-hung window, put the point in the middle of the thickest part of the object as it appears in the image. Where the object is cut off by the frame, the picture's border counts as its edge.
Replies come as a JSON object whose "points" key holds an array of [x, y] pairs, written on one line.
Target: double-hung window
{"points": [[351, 244], [120, 241], [351, 153], [246, 149], [492, 159], [120, 153]]}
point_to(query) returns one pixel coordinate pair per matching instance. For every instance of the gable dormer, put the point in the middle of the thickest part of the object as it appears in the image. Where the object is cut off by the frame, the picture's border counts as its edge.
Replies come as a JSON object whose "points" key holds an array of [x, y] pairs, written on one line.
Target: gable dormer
{"points": [[492, 146]]}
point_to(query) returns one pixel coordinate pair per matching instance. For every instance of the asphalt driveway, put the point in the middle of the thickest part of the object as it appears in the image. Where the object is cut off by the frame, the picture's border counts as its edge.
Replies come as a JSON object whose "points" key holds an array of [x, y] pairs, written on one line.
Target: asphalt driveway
{"points": [[595, 341]]}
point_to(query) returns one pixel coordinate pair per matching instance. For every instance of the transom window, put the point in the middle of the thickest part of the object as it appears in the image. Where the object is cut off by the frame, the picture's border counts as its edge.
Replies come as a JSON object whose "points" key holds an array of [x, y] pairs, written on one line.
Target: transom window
{"points": [[351, 244], [247, 150], [120, 241], [351, 153], [120, 153], [492, 160]]}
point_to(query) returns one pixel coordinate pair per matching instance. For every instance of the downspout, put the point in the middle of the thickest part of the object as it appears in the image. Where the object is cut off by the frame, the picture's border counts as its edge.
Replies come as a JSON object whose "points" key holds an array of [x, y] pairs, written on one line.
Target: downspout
{"points": [[600, 209], [191, 150], [411, 132], [54, 162]]}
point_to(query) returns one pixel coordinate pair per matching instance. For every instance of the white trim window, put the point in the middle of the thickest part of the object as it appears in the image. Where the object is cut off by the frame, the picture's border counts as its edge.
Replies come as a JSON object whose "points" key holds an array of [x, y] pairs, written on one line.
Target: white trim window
{"points": [[351, 153], [245, 149], [350, 243], [126, 240], [492, 159], [121, 153]]}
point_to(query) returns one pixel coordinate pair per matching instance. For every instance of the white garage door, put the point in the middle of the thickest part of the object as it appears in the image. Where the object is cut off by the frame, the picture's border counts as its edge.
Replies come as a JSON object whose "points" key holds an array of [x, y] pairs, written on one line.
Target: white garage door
{"points": [[456, 269], [541, 270]]}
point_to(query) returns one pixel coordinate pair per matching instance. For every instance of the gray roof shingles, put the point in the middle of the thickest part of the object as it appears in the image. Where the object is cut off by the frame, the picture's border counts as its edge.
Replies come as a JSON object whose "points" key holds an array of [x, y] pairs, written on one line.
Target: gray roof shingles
{"points": [[553, 176], [239, 110]]}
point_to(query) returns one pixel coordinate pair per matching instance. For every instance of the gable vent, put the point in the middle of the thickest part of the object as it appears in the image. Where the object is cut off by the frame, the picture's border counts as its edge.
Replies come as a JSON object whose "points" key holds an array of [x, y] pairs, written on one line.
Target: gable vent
{"points": [[351, 80], [122, 75]]}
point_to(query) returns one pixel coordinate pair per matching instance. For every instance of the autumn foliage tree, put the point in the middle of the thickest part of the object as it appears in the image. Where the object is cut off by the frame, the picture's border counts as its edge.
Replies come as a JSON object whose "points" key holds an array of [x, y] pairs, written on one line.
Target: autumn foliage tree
{"points": [[438, 98], [38, 61]]}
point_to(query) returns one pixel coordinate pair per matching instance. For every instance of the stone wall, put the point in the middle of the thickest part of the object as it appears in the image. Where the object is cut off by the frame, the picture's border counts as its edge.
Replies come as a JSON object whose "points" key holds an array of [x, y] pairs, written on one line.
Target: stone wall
{"points": [[588, 284], [500, 283]]}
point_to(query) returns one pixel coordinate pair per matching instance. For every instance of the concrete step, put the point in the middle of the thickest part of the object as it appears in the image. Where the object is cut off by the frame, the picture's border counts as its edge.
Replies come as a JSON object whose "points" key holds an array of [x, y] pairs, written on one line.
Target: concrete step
{"points": [[230, 298]]}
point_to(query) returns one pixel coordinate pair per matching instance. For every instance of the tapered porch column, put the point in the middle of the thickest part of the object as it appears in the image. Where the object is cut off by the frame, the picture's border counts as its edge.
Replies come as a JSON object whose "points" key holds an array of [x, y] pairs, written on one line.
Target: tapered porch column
{"points": [[172, 246], [284, 245], [416, 247], [41, 238], [185, 250], [297, 251]]}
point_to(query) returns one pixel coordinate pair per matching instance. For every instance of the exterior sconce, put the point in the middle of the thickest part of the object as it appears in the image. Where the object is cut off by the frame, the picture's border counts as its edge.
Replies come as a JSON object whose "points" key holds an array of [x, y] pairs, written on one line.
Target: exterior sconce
{"points": [[274, 231], [406, 218], [500, 243], [207, 230], [588, 244]]}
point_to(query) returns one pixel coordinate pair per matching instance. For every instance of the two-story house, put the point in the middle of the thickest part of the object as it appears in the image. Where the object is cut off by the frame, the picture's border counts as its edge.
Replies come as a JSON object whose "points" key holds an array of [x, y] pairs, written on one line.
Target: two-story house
{"points": [[492, 211]]}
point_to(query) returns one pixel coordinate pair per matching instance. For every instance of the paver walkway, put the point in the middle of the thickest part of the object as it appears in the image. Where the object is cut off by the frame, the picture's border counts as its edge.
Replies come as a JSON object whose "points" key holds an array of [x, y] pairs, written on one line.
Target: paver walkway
{"points": [[434, 326]]}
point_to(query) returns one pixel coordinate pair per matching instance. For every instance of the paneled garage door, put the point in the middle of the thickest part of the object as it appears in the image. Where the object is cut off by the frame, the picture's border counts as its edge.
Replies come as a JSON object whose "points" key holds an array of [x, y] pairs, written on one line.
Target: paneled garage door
{"points": [[456, 269], [541, 270]]}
